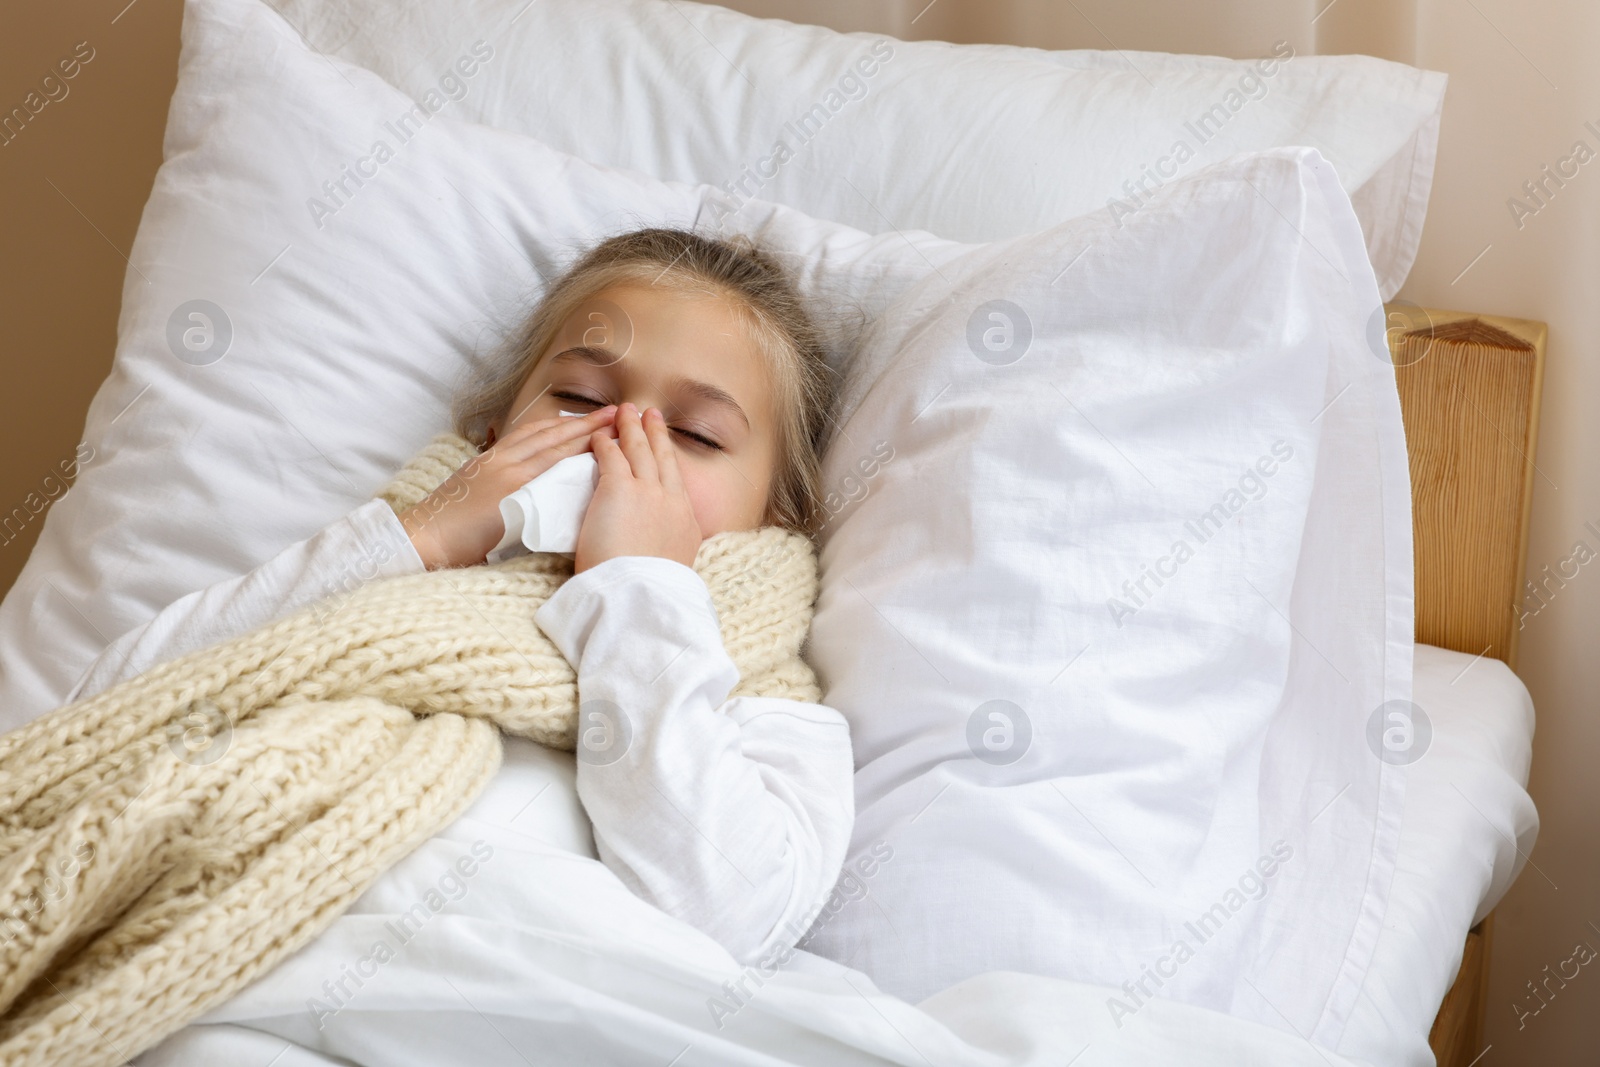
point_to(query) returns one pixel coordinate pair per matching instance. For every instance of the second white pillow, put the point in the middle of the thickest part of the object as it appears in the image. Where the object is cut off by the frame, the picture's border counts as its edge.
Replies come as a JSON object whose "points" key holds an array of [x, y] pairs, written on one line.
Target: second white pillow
{"points": [[1119, 576], [973, 142]]}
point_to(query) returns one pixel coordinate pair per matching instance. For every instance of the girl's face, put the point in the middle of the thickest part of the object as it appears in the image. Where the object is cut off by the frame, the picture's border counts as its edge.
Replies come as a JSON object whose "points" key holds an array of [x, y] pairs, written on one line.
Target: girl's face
{"points": [[688, 355]]}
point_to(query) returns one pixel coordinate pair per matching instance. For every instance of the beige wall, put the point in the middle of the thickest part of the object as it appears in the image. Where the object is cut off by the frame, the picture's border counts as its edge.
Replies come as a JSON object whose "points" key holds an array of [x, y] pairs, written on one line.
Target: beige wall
{"points": [[1523, 82], [72, 185]]}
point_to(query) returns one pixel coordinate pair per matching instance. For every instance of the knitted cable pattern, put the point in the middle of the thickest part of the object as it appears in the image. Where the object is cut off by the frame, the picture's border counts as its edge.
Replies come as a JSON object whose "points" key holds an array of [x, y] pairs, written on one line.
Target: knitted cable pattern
{"points": [[165, 842]]}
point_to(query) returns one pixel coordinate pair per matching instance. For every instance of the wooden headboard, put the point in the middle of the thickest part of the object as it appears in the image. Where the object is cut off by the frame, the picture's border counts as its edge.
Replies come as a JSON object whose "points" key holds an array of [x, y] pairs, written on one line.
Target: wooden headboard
{"points": [[1469, 396]]}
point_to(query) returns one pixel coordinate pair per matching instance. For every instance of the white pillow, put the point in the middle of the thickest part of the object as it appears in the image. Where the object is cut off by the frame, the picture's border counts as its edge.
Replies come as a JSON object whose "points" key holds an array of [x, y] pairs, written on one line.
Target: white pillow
{"points": [[345, 322], [972, 142], [1122, 575]]}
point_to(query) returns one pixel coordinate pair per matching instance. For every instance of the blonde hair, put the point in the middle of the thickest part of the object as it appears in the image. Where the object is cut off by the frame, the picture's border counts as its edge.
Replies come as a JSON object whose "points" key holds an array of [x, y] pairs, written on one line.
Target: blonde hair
{"points": [[789, 340]]}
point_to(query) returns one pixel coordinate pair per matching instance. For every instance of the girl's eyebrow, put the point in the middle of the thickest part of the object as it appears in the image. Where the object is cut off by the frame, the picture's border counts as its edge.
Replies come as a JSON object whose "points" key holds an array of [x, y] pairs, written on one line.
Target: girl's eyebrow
{"points": [[711, 394], [600, 357]]}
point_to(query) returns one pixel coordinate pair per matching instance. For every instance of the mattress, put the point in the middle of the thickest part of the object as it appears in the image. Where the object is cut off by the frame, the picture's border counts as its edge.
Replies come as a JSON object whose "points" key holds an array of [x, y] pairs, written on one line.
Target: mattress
{"points": [[502, 963]]}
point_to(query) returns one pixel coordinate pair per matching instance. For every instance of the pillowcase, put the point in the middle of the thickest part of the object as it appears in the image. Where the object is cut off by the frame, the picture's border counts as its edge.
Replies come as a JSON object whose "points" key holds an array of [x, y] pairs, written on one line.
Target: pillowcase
{"points": [[972, 142], [320, 262], [1119, 579]]}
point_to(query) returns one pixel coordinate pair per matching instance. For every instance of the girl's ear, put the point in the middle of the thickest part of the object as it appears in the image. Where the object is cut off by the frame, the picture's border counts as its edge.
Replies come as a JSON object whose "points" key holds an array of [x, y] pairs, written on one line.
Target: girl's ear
{"points": [[488, 440]]}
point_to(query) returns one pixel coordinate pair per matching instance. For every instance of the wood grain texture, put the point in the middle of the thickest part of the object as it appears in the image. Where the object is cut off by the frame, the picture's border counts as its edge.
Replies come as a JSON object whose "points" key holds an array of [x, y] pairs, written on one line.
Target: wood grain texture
{"points": [[1469, 396], [1469, 388], [1458, 1028]]}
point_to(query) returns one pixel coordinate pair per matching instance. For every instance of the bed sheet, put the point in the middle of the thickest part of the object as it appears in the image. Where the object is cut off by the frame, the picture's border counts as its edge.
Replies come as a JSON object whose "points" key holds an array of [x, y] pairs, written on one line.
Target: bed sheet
{"points": [[1469, 826], [542, 956]]}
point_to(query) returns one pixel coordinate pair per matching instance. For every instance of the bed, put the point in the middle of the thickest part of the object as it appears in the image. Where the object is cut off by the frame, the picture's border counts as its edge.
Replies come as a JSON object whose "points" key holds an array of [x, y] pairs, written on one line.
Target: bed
{"points": [[1481, 719], [635, 988]]}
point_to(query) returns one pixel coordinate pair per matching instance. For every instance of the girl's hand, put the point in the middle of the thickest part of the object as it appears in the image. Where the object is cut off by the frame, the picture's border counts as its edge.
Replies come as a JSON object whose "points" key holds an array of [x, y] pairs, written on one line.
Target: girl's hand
{"points": [[459, 522], [640, 507]]}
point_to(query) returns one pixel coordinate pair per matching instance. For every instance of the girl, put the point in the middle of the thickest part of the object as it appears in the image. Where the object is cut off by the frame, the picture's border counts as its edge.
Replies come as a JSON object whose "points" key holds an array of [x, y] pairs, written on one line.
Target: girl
{"points": [[690, 369]]}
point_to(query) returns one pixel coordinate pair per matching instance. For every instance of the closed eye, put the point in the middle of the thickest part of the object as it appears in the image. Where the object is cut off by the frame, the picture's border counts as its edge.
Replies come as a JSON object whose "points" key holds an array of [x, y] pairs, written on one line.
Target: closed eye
{"points": [[578, 398], [699, 439], [705, 441]]}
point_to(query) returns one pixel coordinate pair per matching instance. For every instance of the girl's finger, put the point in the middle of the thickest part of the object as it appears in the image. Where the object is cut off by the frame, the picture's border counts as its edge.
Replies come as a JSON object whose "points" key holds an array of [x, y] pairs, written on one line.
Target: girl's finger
{"points": [[543, 459], [666, 453], [525, 439], [630, 434], [608, 455]]}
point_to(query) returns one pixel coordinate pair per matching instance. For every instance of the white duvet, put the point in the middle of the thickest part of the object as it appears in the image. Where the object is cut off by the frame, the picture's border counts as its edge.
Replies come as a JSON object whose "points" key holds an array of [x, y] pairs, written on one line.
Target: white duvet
{"points": [[541, 956]]}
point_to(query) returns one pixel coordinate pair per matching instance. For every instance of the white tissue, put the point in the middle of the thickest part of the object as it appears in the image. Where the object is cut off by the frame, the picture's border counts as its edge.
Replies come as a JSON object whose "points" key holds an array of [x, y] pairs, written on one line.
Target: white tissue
{"points": [[545, 514]]}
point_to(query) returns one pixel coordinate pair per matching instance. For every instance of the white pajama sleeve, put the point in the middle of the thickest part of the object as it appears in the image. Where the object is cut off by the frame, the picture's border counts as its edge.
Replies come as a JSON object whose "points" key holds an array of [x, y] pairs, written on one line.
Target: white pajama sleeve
{"points": [[366, 544], [731, 815]]}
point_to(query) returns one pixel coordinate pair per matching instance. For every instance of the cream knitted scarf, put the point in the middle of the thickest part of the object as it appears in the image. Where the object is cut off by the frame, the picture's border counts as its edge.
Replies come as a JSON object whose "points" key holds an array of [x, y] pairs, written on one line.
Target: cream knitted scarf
{"points": [[170, 839]]}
